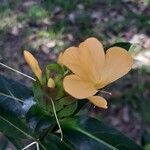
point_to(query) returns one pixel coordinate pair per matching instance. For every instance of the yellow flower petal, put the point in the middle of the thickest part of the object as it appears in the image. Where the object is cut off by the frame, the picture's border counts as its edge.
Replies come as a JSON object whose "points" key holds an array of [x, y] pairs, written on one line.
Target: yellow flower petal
{"points": [[51, 83], [118, 63], [78, 88], [86, 61], [71, 59], [98, 101], [33, 63], [92, 58]]}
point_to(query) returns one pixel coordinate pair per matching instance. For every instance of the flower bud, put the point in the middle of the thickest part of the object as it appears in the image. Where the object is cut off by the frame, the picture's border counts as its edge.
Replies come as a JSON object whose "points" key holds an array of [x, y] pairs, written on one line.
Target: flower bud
{"points": [[33, 63], [51, 83]]}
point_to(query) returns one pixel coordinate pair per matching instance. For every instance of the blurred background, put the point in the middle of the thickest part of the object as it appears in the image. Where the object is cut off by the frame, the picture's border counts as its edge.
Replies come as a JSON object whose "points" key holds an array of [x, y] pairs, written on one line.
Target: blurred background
{"points": [[47, 27]]}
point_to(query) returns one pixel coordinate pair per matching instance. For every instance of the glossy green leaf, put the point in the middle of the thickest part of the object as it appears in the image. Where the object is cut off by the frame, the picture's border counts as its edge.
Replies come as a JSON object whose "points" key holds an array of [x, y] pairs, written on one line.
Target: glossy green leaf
{"points": [[14, 128], [53, 142], [124, 45], [11, 126], [12, 96], [90, 133], [80, 106], [39, 121], [43, 124], [38, 94], [66, 106], [16, 142], [68, 110], [145, 137], [9, 86]]}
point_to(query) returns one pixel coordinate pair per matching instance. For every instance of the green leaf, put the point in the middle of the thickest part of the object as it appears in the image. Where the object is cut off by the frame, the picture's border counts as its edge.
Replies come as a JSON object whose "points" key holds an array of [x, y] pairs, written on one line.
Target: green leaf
{"points": [[80, 106], [147, 147], [43, 124], [10, 87], [11, 126], [66, 106], [13, 106], [56, 72], [12, 96], [68, 110], [39, 121], [90, 133], [145, 137], [38, 94], [16, 142], [52, 69], [124, 45], [52, 142]]}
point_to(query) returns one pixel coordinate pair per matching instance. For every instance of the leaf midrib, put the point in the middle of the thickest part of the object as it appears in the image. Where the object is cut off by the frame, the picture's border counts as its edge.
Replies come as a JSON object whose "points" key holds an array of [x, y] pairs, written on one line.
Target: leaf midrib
{"points": [[12, 97], [27, 135], [16, 127], [95, 138]]}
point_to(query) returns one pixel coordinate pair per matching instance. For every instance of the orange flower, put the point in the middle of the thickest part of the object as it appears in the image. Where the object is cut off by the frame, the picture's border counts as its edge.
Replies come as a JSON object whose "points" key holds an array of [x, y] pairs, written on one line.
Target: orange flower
{"points": [[93, 69]]}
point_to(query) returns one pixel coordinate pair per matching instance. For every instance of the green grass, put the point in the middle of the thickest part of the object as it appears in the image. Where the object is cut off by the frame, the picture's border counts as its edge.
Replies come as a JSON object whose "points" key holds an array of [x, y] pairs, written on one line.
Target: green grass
{"points": [[35, 14], [7, 14], [67, 6], [8, 5]]}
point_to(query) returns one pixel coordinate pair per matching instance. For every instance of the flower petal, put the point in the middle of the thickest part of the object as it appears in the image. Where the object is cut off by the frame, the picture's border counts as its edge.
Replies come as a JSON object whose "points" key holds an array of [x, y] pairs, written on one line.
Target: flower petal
{"points": [[70, 58], [78, 88], [60, 58], [98, 101], [92, 58], [118, 63]]}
